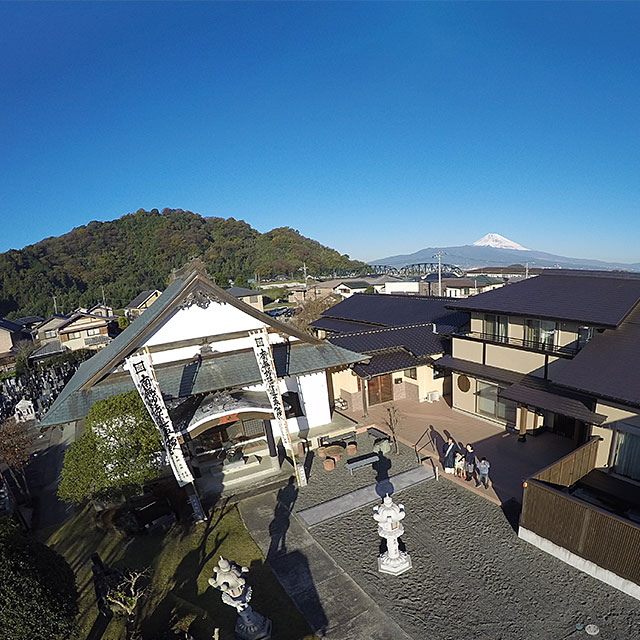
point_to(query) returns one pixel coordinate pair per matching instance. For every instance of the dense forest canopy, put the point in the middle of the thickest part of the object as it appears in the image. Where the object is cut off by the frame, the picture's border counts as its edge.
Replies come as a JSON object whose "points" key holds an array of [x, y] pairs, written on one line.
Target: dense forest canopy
{"points": [[138, 252]]}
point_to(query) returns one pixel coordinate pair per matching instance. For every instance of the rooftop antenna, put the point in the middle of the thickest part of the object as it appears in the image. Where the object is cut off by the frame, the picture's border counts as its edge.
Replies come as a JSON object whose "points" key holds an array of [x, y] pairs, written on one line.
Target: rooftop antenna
{"points": [[439, 256]]}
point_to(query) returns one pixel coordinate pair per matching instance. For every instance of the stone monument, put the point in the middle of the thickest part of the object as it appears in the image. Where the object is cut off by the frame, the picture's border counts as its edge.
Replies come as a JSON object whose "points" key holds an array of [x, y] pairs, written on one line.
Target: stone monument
{"points": [[250, 625], [389, 517]]}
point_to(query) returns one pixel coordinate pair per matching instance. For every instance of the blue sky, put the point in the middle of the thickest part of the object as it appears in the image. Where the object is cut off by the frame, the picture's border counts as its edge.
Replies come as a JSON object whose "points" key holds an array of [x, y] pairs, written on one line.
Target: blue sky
{"points": [[374, 128]]}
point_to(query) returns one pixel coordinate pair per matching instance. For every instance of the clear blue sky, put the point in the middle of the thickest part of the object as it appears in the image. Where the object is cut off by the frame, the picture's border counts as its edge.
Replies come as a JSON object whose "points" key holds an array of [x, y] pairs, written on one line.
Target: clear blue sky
{"points": [[374, 128]]}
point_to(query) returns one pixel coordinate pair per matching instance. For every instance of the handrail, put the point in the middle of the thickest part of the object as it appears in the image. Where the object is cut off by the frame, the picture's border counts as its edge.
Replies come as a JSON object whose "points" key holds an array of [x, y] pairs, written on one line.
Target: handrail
{"points": [[535, 345], [415, 446]]}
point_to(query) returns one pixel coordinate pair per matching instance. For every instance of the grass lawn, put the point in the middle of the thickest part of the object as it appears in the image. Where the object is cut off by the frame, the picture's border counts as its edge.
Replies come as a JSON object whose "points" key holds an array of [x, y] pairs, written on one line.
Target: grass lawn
{"points": [[181, 562]]}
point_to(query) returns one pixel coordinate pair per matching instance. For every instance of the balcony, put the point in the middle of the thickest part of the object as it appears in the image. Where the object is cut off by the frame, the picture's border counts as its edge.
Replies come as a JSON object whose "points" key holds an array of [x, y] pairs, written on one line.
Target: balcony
{"points": [[567, 351]]}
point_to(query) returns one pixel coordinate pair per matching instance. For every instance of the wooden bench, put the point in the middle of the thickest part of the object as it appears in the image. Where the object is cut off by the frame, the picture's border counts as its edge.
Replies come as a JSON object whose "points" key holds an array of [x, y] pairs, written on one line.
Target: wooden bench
{"points": [[361, 461]]}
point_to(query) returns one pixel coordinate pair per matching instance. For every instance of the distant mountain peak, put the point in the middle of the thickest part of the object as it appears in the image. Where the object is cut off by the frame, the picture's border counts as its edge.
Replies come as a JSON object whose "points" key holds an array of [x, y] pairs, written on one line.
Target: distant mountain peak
{"points": [[497, 241]]}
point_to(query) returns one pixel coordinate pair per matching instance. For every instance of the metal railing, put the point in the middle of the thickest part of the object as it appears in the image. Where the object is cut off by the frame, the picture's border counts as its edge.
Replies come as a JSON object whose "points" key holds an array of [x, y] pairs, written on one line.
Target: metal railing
{"points": [[533, 345]]}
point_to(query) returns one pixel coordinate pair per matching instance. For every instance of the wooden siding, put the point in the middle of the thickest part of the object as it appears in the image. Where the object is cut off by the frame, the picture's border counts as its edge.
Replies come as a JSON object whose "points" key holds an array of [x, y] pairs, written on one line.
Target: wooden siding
{"points": [[606, 540], [572, 467]]}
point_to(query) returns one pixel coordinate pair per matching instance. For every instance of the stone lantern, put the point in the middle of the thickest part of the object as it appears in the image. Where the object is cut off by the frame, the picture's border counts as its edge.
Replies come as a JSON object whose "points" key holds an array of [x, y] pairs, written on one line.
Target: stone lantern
{"points": [[250, 625], [389, 517]]}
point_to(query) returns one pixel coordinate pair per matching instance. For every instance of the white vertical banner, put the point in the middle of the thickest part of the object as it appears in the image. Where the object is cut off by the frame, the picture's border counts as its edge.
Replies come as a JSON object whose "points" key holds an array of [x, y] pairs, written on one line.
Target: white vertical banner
{"points": [[141, 369], [264, 357]]}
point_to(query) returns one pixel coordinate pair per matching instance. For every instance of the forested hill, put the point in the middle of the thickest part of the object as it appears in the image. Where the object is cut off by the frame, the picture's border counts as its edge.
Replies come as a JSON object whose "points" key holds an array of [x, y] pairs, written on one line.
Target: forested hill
{"points": [[138, 252]]}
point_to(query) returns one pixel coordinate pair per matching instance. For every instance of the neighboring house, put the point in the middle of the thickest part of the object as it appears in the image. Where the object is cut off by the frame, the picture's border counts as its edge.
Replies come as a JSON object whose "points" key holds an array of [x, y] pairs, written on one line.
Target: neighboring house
{"points": [[29, 323], [10, 334], [47, 330], [410, 287], [560, 352], [465, 287], [249, 296], [512, 272], [347, 288], [302, 294], [202, 347], [88, 329], [402, 334], [141, 303]]}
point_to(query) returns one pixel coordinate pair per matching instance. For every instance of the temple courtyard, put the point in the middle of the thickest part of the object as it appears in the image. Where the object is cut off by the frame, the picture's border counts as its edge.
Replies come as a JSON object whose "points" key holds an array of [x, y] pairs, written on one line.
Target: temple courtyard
{"points": [[472, 576]]}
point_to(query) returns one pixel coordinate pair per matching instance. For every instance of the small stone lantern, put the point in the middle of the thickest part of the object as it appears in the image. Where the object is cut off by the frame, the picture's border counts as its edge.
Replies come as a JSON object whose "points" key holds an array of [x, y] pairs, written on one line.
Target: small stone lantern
{"points": [[250, 625], [389, 517]]}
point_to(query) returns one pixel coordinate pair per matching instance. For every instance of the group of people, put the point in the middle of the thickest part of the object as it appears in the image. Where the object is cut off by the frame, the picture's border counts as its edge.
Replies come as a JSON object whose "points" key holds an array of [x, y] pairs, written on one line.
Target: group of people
{"points": [[464, 464]]}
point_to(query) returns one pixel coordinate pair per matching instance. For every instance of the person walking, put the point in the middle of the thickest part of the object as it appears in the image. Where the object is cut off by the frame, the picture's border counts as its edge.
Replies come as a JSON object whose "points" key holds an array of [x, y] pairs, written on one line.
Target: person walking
{"points": [[449, 450], [483, 473], [469, 462]]}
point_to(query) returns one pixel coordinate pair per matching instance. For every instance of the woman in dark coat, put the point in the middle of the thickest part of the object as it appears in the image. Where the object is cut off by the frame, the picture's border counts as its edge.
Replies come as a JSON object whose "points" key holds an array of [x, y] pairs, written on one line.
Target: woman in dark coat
{"points": [[449, 450], [470, 462]]}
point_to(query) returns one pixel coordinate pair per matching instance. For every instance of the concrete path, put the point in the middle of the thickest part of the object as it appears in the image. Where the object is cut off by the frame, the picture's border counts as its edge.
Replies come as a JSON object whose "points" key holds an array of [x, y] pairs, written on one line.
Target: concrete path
{"points": [[361, 497], [335, 607]]}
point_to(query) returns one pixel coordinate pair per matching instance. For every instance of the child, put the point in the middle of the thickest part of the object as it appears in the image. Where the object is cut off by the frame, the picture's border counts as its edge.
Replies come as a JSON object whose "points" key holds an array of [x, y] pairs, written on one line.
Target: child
{"points": [[483, 473], [459, 465]]}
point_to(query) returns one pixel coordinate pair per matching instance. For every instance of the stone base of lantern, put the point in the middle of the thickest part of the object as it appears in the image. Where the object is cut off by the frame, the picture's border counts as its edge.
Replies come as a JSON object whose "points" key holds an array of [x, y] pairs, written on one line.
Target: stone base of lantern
{"points": [[256, 628], [394, 566]]}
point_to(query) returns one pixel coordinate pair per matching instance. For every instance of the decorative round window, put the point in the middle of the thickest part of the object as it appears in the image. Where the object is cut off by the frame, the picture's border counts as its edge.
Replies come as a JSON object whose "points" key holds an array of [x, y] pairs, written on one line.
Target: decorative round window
{"points": [[463, 384]]}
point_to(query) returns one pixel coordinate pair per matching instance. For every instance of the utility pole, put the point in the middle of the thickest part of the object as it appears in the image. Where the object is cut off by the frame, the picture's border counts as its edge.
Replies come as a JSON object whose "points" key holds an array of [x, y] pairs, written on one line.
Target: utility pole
{"points": [[104, 304], [55, 305], [439, 256]]}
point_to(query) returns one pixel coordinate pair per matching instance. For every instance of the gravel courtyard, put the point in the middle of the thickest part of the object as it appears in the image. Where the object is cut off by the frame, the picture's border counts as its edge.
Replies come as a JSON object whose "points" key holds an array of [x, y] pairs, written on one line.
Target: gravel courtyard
{"points": [[472, 577]]}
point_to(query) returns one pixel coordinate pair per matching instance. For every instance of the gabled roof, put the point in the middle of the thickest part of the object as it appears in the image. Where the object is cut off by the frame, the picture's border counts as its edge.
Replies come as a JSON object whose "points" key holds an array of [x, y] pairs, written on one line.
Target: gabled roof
{"points": [[140, 298], [7, 325], [593, 297], [28, 320], [353, 284], [84, 386], [394, 310], [243, 292], [48, 349], [418, 340], [54, 316], [84, 314]]}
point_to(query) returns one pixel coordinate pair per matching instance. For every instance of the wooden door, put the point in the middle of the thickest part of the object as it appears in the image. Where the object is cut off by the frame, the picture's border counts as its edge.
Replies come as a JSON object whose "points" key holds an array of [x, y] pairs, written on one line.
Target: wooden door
{"points": [[380, 389]]}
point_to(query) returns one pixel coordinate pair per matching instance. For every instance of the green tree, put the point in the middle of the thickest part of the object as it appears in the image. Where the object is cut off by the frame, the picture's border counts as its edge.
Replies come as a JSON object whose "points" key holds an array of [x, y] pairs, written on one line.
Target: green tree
{"points": [[117, 453], [123, 322], [38, 596], [15, 445]]}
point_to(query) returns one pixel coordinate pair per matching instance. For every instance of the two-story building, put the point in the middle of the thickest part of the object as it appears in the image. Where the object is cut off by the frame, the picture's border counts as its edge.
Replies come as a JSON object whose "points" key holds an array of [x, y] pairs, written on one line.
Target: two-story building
{"points": [[88, 328], [251, 297], [559, 352], [141, 303]]}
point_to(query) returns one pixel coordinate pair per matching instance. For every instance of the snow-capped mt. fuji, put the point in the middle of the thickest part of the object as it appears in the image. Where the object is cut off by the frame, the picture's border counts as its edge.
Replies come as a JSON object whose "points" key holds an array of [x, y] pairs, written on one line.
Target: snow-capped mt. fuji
{"points": [[497, 241]]}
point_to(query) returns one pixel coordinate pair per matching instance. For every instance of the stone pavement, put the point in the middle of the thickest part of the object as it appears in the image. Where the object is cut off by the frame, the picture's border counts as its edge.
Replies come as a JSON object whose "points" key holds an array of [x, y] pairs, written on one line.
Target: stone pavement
{"points": [[361, 497], [333, 604]]}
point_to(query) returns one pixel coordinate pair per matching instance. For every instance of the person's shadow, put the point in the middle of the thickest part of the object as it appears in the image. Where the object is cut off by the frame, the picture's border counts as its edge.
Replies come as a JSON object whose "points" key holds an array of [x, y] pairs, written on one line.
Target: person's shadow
{"points": [[279, 526], [383, 484]]}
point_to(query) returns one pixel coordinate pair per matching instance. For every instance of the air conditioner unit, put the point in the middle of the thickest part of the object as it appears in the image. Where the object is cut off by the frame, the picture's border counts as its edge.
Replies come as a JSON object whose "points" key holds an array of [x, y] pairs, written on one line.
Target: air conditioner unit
{"points": [[433, 396]]}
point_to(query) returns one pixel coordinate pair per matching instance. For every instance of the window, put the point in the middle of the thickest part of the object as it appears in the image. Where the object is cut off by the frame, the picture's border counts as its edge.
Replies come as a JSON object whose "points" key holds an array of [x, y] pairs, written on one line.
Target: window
{"points": [[254, 298], [74, 335], [496, 327], [51, 333], [489, 404], [540, 333], [626, 457], [584, 335], [292, 399], [93, 332], [411, 373]]}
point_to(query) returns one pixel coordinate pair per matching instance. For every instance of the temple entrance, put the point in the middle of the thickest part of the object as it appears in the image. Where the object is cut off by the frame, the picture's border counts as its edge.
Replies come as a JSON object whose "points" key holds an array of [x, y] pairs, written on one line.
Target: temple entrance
{"points": [[380, 389]]}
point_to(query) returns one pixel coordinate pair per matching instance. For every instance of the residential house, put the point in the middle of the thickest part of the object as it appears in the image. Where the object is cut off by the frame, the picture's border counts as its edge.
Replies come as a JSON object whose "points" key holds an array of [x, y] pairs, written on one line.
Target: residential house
{"points": [[402, 334], [347, 288], [202, 343], [141, 303], [465, 287], [251, 297], [512, 272], [88, 328], [29, 323], [559, 352], [47, 330], [10, 334]]}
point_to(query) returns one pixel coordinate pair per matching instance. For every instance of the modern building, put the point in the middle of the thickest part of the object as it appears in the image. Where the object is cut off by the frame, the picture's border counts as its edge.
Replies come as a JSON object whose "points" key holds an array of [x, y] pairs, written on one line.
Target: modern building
{"points": [[202, 341], [401, 334], [251, 297], [559, 352], [141, 303]]}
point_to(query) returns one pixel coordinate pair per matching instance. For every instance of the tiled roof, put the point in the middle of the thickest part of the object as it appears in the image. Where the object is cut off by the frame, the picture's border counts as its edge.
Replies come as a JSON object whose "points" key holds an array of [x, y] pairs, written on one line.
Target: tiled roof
{"points": [[418, 339], [48, 349], [140, 298], [596, 298], [398, 310], [388, 362], [342, 326], [355, 284], [607, 366], [214, 373], [7, 325], [242, 292], [28, 320]]}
